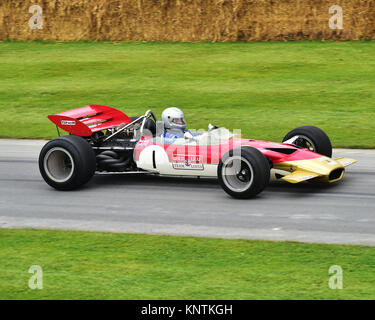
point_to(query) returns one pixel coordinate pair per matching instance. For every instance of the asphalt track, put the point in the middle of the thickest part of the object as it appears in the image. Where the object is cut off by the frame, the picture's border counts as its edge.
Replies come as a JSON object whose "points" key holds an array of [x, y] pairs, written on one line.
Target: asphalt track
{"points": [[340, 213]]}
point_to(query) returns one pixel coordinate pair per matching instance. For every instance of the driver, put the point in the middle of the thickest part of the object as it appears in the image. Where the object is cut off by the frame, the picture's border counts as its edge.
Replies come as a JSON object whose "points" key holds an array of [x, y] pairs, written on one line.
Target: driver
{"points": [[175, 124]]}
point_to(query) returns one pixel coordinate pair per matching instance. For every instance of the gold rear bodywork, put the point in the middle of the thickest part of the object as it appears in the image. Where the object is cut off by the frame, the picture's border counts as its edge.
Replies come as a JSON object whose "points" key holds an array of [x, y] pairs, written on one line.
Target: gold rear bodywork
{"points": [[321, 169]]}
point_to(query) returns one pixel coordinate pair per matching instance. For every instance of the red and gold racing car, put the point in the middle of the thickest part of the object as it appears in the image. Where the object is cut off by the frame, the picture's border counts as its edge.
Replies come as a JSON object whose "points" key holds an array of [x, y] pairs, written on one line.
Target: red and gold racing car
{"points": [[105, 140]]}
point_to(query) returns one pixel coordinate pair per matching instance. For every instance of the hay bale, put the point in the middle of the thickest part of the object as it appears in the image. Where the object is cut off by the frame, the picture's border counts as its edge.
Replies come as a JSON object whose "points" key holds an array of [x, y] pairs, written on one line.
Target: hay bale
{"points": [[186, 20]]}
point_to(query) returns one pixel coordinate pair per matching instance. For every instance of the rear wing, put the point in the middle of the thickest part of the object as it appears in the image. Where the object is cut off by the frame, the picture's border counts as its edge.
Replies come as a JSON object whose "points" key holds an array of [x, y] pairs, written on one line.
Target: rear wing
{"points": [[87, 120]]}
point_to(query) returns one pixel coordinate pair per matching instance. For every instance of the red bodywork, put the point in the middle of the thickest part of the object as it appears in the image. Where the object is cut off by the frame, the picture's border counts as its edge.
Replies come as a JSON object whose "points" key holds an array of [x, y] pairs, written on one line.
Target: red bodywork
{"points": [[211, 154], [87, 120]]}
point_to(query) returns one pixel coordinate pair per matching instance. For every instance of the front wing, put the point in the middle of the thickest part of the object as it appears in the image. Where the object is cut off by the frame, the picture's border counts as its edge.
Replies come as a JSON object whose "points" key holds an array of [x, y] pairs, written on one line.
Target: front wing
{"points": [[321, 169]]}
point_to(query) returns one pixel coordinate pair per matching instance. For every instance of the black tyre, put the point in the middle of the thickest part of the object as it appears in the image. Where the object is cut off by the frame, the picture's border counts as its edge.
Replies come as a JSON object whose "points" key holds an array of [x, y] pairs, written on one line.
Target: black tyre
{"points": [[243, 173], [312, 138], [67, 163]]}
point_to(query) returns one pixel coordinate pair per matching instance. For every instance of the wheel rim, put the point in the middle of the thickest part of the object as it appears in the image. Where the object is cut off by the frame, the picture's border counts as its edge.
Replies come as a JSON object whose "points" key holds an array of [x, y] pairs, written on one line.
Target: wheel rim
{"points": [[59, 165], [305, 142], [237, 174]]}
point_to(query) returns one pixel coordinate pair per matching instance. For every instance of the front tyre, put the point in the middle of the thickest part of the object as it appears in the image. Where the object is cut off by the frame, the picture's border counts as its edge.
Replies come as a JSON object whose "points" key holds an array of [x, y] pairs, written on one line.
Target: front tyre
{"points": [[67, 163], [244, 172], [312, 138]]}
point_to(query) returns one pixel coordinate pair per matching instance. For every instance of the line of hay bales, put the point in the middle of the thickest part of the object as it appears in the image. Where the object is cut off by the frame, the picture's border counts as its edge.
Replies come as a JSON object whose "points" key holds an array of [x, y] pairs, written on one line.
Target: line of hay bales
{"points": [[187, 20]]}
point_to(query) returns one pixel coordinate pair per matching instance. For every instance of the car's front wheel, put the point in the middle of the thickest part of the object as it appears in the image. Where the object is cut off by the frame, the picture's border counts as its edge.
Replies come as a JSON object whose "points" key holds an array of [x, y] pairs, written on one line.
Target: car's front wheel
{"points": [[67, 162], [244, 172], [312, 138]]}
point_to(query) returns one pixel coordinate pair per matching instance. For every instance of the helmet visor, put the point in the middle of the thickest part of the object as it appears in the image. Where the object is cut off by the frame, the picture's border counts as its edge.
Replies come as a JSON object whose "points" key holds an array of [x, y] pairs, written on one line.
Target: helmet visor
{"points": [[178, 121]]}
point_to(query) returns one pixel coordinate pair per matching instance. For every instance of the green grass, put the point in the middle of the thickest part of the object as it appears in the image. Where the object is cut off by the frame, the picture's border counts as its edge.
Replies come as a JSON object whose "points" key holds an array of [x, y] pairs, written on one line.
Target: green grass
{"points": [[265, 89], [84, 265]]}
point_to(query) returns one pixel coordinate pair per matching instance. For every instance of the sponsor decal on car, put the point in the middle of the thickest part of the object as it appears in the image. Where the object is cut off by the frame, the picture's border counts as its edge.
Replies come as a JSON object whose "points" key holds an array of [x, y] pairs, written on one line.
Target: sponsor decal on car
{"points": [[143, 142], [328, 160], [187, 162], [68, 122]]}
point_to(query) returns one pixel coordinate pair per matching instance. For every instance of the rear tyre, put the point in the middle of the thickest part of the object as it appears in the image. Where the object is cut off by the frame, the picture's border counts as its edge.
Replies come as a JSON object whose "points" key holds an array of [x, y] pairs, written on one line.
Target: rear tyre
{"points": [[243, 173], [67, 163], [311, 138]]}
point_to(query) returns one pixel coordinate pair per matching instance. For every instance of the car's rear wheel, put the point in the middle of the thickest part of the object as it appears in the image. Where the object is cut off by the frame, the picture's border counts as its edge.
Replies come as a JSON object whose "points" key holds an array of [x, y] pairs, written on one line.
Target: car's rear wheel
{"points": [[243, 173], [67, 162], [312, 138]]}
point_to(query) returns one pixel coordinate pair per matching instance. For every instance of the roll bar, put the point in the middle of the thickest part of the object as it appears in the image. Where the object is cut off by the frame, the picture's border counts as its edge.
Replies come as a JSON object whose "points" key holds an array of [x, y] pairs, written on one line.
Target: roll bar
{"points": [[146, 116]]}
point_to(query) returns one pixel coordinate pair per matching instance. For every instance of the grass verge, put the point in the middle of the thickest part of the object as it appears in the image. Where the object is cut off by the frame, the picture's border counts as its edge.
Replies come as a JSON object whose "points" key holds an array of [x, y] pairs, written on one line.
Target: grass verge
{"points": [[87, 265], [264, 89]]}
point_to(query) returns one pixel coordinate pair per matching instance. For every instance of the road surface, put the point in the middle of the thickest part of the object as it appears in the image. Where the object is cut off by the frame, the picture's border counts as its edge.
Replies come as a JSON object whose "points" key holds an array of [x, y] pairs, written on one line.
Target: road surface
{"points": [[340, 213]]}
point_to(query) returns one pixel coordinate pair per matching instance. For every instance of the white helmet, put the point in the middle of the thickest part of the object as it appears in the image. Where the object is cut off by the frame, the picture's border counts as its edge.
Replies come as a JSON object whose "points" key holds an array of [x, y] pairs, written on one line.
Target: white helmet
{"points": [[173, 118]]}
